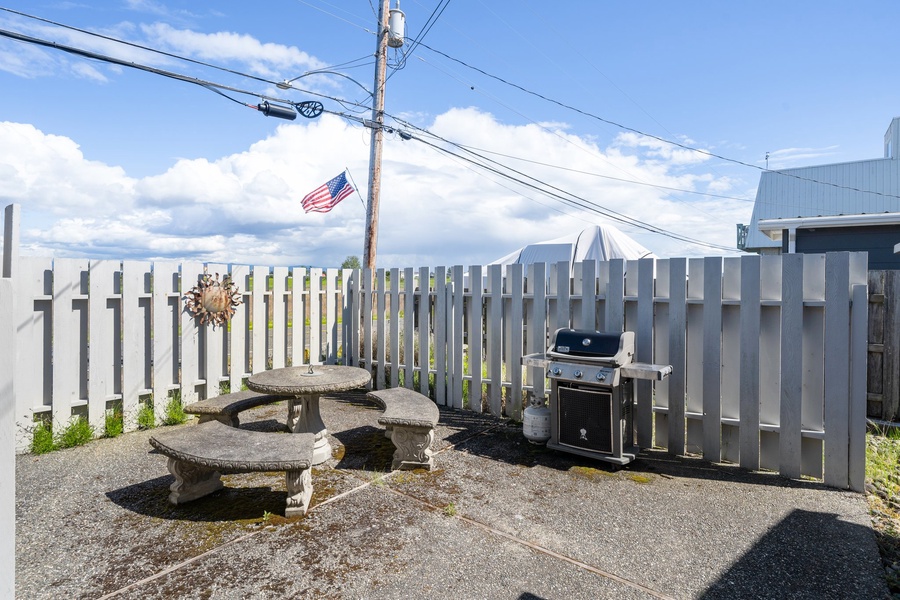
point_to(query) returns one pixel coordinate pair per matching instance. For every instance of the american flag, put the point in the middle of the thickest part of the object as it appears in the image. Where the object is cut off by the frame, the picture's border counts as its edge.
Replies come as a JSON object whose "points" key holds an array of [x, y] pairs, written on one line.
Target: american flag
{"points": [[326, 196]]}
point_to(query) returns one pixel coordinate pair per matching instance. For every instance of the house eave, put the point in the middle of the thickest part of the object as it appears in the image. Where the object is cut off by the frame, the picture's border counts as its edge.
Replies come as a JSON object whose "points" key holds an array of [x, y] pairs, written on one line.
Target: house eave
{"points": [[773, 228]]}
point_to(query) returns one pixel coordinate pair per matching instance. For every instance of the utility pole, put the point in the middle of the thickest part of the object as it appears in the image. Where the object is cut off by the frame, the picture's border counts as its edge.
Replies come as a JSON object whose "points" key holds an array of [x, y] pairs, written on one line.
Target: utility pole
{"points": [[377, 127]]}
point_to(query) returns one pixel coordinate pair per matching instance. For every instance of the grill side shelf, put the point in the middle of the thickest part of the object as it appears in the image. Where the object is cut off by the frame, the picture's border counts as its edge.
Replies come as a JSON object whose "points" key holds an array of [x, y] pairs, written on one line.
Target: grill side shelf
{"points": [[645, 371], [536, 360]]}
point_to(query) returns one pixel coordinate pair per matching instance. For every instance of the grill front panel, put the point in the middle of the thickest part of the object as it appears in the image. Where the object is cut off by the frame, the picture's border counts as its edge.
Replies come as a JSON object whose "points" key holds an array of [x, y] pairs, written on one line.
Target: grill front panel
{"points": [[585, 419]]}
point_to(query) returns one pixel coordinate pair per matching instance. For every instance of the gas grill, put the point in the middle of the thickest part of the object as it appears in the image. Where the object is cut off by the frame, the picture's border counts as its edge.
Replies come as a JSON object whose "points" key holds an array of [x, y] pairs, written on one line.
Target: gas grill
{"points": [[592, 377]]}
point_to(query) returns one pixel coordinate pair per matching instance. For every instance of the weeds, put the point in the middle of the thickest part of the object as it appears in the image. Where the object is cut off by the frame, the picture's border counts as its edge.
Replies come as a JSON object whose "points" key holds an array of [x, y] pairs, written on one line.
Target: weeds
{"points": [[450, 510], [146, 418], [41, 438], [76, 433], [113, 423], [174, 411]]}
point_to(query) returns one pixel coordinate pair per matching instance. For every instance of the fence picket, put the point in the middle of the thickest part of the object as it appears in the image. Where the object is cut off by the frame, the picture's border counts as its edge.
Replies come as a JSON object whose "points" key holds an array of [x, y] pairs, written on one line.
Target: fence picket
{"points": [[215, 346], [258, 322], [677, 355], [494, 329], [789, 425], [424, 296], [457, 338], [315, 320], [136, 352], [712, 358], [514, 331], [644, 352], [239, 342], [191, 358], [409, 327], [395, 327], [476, 337], [749, 362], [69, 325], [104, 326], [440, 336], [537, 339], [279, 304]]}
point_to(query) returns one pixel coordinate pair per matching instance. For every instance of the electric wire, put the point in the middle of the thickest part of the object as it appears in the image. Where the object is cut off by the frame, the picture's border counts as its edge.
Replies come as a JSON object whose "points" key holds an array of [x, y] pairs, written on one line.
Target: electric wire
{"points": [[591, 174], [426, 28], [156, 71], [418, 42], [620, 217], [580, 202], [176, 56], [322, 10], [650, 135], [566, 139]]}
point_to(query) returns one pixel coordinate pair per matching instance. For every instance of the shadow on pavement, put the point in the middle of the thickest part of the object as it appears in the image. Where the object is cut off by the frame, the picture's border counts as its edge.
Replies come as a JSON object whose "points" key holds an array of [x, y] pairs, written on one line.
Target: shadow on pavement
{"points": [[787, 562]]}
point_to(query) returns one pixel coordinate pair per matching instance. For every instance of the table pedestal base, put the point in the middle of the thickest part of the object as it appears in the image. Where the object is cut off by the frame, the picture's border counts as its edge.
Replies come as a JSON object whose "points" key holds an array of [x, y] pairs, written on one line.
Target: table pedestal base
{"points": [[304, 417]]}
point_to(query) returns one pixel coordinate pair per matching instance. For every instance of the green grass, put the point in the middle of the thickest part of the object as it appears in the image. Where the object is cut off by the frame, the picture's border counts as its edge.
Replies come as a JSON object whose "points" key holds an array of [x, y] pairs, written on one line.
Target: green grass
{"points": [[883, 487]]}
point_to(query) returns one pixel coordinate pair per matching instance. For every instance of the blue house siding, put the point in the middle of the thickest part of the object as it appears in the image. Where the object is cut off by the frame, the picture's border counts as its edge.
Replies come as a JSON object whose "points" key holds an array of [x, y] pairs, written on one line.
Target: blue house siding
{"points": [[877, 240]]}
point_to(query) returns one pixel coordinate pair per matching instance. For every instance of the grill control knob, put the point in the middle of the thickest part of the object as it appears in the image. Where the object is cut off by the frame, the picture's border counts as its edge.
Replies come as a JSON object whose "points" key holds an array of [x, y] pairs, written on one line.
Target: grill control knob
{"points": [[601, 376], [578, 374]]}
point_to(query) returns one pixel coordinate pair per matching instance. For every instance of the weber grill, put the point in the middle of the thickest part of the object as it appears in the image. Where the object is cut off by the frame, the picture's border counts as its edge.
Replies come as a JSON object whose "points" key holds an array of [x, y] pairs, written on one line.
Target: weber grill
{"points": [[592, 377]]}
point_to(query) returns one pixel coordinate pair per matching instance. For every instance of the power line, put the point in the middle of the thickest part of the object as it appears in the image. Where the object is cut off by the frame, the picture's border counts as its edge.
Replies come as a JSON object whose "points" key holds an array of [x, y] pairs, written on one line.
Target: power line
{"points": [[580, 172], [650, 135], [581, 203]]}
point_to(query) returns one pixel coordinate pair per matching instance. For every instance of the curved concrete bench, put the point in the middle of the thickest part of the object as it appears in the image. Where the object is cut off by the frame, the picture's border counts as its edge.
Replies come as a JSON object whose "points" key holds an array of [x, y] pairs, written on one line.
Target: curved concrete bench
{"points": [[198, 455], [225, 408], [409, 419]]}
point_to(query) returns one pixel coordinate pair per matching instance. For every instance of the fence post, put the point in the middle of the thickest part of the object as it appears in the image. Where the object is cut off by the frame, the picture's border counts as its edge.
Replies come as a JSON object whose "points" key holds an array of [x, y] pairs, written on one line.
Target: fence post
{"points": [[11, 240], [7, 440], [791, 365], [644, 388], [749, 367]]}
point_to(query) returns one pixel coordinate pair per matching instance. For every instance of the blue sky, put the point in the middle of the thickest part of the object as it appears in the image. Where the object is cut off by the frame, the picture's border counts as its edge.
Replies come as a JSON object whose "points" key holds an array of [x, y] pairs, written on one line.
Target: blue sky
{"points": [[111, 162]]}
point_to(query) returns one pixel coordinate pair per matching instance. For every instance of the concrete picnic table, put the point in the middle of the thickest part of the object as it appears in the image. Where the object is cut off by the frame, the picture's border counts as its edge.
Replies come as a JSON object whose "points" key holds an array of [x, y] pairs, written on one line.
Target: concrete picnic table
{"points": [[303, 386]]}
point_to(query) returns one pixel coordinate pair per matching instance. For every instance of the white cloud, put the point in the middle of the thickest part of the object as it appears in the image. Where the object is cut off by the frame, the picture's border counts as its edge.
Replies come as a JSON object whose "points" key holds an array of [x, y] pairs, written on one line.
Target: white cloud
{"points": [[266, 59], [434, 210], [792, 157]]}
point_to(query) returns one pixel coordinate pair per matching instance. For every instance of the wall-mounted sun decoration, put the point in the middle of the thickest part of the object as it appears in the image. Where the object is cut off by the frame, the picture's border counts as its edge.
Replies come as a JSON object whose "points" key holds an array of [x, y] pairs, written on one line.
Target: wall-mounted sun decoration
{"points": [[213, 300]]}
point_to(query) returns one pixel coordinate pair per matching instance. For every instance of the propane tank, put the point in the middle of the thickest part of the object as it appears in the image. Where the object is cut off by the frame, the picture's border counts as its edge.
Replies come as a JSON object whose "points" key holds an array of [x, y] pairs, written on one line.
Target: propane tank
{"points": [[396, 27], [536, 424]]}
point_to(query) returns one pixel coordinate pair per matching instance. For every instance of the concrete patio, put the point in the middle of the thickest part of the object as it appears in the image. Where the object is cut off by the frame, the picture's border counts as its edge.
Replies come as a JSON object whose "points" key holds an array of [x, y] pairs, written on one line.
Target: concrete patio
{"points": [[497, 518]]}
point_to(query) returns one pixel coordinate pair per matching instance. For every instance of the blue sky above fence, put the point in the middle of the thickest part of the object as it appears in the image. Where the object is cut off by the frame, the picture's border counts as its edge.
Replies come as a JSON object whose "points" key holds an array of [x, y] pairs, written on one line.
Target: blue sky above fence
{"points": [[110, 161]]}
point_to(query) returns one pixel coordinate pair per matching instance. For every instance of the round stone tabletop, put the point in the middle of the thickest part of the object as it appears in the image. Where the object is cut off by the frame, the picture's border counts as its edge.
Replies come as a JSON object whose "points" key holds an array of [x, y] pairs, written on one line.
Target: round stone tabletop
{"points": [[296, 381]]}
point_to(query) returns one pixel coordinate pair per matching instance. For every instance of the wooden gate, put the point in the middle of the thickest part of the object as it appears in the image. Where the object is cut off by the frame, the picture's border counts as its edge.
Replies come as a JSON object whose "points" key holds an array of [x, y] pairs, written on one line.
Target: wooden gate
{"points": [[883, 380]]}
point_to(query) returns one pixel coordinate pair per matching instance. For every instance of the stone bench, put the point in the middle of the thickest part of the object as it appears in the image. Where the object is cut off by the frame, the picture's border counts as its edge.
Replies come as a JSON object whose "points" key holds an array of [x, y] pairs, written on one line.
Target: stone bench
{"points": [[200, 454], [225, 408], [409, 419]]}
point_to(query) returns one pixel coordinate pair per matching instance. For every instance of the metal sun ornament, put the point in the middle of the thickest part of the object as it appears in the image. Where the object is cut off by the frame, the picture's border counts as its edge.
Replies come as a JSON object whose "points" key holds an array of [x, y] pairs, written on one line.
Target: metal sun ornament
{"points": [[212, 300]]}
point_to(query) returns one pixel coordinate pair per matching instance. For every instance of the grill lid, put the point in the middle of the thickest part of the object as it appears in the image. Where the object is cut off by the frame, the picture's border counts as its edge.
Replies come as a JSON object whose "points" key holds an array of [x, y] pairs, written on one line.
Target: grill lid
{"points": [[615, 349]]}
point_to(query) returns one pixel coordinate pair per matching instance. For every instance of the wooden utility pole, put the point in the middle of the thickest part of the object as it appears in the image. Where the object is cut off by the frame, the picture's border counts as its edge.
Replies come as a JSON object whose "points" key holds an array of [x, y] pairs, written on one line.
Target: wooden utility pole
{"points": [[377, 126]]}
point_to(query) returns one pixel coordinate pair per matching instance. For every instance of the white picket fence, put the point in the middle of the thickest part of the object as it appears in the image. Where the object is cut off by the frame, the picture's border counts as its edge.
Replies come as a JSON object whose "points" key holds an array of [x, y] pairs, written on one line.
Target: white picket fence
{"points": [[97, 334], [769, 353]]}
